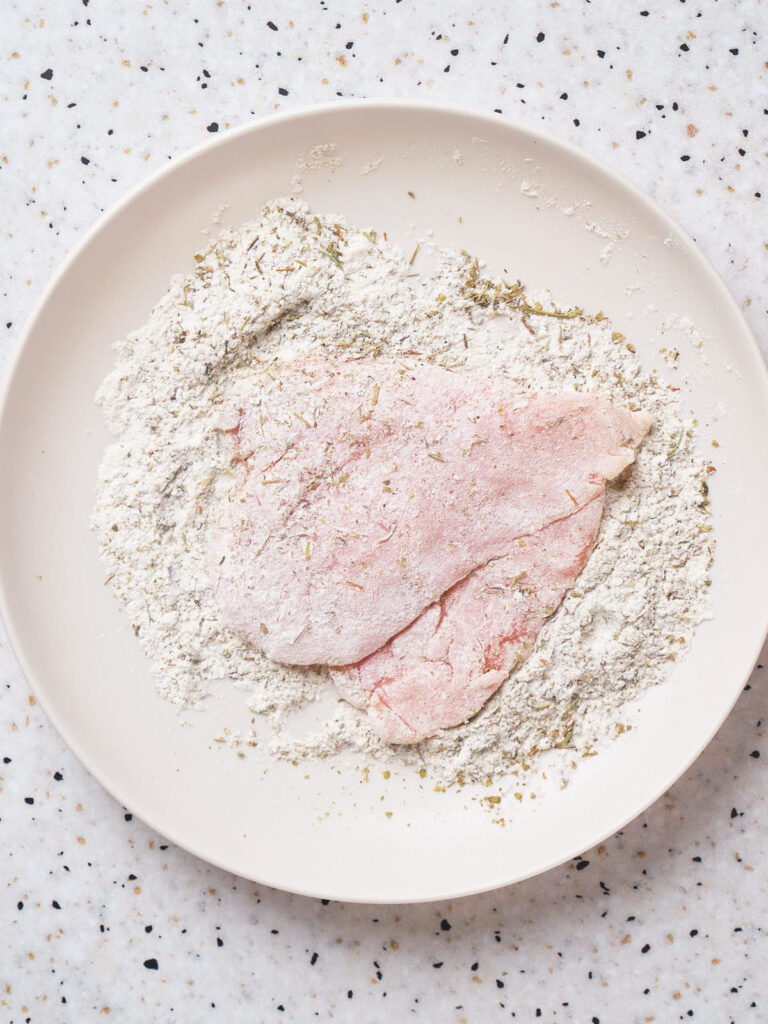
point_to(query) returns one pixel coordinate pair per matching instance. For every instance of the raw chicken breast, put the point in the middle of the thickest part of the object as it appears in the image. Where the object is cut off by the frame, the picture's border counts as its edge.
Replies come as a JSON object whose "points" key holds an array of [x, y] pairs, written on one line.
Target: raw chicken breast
{"points": [[366, 491], [442, 668]]}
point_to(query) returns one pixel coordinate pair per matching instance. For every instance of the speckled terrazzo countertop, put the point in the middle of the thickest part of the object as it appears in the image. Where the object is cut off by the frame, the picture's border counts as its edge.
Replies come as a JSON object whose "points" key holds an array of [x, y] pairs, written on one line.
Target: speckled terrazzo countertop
{"points": [[98, 915]]}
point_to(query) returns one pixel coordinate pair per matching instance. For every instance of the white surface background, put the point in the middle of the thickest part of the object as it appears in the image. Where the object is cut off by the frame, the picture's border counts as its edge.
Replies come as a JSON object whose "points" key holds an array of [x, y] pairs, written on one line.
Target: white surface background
{"points": [[666, 921]]}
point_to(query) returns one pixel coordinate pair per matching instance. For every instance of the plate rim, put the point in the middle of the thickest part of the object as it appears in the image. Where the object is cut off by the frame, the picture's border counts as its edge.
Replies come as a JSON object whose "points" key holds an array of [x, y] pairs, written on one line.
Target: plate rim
{"points": [[513, 125]]}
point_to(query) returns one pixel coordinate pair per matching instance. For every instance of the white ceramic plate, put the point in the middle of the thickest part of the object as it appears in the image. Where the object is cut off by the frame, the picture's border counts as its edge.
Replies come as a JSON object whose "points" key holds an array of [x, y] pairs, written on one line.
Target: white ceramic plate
{"points": [[545, 212]]}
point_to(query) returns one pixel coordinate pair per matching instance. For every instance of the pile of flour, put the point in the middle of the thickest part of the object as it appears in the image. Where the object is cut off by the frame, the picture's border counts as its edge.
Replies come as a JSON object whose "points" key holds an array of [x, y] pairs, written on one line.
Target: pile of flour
{"points": [[291, 284]]}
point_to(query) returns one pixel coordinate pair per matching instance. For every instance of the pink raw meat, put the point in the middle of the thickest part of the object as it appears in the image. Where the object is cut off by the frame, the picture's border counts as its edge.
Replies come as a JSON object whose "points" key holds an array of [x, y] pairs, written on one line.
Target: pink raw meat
{"points": [[442, 668], [365, 491]]}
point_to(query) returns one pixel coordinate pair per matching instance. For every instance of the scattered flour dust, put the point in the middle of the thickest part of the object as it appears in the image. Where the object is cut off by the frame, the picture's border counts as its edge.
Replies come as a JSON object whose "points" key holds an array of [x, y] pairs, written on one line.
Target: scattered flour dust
{"points": [[293, 283]]}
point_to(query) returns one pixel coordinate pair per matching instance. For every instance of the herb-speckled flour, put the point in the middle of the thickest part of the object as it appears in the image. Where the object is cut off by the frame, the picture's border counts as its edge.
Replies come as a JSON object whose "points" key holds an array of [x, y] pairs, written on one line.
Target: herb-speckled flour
{"points": [[291, 284]]}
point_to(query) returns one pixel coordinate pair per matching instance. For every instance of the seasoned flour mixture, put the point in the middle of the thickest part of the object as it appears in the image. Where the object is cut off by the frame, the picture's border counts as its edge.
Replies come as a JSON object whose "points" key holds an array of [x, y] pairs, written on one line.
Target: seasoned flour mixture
{"points": [[294, 284]]}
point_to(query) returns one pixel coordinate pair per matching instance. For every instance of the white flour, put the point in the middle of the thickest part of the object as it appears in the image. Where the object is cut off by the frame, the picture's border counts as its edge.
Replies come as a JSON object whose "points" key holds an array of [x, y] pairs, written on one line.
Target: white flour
{"points": [[293, 283]]}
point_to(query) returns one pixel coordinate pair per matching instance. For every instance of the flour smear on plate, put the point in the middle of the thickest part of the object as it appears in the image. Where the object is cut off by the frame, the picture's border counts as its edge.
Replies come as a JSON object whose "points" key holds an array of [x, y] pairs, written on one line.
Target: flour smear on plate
{"points": [[294, 284]]}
